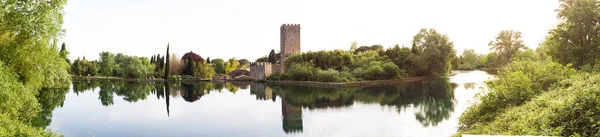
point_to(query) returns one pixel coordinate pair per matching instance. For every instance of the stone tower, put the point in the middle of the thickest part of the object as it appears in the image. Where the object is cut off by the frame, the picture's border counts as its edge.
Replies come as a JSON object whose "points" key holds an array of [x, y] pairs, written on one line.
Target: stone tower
{"points": [[290, 42]]}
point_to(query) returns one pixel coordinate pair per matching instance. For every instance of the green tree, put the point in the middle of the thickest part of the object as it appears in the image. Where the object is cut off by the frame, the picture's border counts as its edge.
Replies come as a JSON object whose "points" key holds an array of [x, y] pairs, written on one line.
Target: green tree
{"points": [[507, 44], [437, 52], [300, 71], [64, 53], [231, 65], [190, 67], [262, 59], [469, 59], [219, 65], [204, 71], [272, 57], [29, 61], [377, 48], [118, 68], [399, 56], [207, 60], [488, 59], [244, 63], [107, 63], [167, 71], [576, 38]]}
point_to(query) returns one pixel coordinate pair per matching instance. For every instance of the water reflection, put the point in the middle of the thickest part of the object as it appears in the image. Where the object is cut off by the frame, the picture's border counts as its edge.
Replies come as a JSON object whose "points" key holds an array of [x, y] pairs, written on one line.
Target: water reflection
{"points": [[49, 99], [291, 116], [432, 101], [470, 85]]}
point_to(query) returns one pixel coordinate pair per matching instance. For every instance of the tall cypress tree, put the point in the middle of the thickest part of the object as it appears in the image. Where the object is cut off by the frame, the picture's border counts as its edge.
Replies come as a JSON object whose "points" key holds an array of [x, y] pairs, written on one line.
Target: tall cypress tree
{"points": [[189, 66], [167, 64], [272, 57], [152, 61], [162, 63]]}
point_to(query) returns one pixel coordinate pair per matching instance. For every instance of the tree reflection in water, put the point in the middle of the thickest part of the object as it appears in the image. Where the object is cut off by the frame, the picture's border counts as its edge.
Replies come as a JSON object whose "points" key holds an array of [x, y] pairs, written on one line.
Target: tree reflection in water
{"points": [[470, 85], [433, 101], [49, 99]]}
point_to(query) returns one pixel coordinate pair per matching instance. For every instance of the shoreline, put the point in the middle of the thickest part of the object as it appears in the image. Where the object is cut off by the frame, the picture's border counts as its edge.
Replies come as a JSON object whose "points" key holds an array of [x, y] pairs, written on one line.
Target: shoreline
{"points": [[347, 84], [284, 82]]}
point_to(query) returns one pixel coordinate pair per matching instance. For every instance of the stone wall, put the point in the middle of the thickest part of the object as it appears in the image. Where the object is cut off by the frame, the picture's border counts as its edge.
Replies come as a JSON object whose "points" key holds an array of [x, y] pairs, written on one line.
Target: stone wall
{"points": [[275, 68], [260, 70]]}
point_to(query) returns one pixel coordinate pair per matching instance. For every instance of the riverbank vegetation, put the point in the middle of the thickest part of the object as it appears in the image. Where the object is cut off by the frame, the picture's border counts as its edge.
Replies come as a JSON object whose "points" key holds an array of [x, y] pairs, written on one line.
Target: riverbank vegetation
{"points": [[30, 63], [555, 92]]}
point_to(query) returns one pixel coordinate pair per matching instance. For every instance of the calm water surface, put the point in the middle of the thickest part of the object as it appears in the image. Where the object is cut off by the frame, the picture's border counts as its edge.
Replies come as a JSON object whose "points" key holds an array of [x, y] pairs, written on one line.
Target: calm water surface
{"points": [[125, 109]]}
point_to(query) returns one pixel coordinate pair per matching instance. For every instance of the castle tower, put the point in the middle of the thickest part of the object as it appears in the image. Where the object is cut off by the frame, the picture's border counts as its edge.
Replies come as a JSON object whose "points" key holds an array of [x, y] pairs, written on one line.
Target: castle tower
{"points": [[290, 42]]}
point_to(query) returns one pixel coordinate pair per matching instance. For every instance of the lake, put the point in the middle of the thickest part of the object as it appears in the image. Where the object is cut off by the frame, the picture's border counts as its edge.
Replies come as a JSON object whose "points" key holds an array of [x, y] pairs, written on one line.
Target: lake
{"points": [[247, 109]]}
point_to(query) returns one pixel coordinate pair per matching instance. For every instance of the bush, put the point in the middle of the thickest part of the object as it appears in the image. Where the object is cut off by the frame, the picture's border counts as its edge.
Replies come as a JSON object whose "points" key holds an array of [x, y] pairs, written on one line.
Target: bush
{"points": [[571, 108], [332, 75], [377, 70], [516, 84], [274, 75], [590, 68], [302, 71]]}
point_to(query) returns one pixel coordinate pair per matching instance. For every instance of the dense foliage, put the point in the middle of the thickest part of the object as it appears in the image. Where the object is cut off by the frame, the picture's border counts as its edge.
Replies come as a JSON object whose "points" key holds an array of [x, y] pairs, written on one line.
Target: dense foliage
{"points": [[175, 65], [219, 66], [29, 61], [430, 56], [537, 96], [516, 84], [569, 107], [576, 39], [83, 67], [244, 63], [194, 56], [273, 58], [121, 65], [469, 60], [231, 65]]}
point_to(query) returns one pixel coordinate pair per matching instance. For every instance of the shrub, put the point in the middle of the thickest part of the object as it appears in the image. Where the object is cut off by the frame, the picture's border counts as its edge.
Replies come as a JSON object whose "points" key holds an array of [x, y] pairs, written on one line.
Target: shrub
{"points": [[516, 83], [301, 71], [274, 75], [332, 75], [571, 108], [377, 70]]}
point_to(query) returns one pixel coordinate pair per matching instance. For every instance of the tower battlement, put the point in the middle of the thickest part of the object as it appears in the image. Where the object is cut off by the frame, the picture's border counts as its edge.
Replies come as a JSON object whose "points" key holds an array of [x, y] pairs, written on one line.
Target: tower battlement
{"points": [[290, 26]]}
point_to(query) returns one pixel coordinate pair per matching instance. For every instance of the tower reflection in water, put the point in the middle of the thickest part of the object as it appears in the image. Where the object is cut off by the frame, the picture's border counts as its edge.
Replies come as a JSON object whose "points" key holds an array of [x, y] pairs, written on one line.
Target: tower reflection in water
{"points": [[291, 115]]}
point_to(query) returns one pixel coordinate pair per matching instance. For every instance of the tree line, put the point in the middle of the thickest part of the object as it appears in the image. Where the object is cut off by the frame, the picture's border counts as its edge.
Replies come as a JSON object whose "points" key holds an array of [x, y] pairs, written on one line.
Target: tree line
{"points": [[430, 55], [190, 65]]}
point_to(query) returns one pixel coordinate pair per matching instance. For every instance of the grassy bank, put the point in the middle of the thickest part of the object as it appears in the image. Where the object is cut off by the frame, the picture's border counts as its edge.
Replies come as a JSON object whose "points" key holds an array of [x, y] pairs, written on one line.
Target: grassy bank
{"points": [[536, 98]]}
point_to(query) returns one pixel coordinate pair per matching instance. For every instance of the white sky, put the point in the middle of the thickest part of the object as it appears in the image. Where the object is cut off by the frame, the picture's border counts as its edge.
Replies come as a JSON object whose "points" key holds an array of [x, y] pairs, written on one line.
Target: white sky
{"points": [[250, 28]]}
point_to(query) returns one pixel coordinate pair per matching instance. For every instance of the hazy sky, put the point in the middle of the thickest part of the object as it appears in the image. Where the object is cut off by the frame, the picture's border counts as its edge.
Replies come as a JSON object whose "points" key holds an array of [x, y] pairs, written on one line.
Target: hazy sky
{"points": [[250, 28]]}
